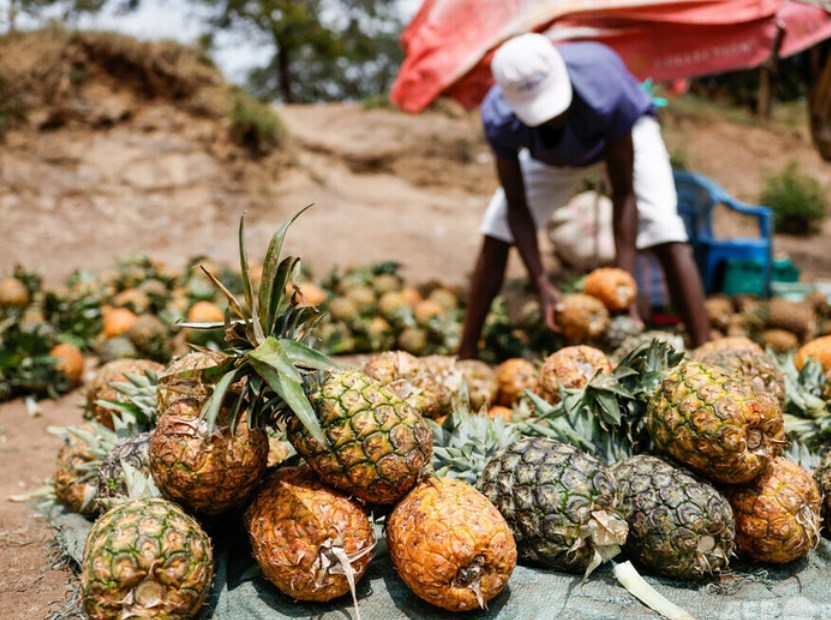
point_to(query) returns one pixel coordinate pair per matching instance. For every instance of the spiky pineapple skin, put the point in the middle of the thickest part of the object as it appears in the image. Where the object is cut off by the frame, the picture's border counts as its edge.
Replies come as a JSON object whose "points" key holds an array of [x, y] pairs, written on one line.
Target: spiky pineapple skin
{"points": [[582, 317], [111, 482], [146, 558], [547, 491], [721, 426], [822, 476], [207, 470], [292, 519], [376, 442], [407, 376], [615, 287], [481, 382], [572, 367], [752, 366], [99, 387], [444, 536], [777, 514], [679, 526], [731, 343], [513, 377], [175, 383]]}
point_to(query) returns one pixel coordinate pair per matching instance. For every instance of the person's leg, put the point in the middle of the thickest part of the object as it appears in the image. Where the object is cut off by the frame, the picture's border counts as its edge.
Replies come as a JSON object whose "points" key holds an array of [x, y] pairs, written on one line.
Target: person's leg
{"points": [[488, 275], [662, 230], [685, 289]]}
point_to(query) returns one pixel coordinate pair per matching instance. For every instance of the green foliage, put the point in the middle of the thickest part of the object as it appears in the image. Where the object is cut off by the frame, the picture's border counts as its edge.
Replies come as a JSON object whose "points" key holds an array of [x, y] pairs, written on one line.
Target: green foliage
{"points": [[319, 50], [254, 124], [798, 201]]}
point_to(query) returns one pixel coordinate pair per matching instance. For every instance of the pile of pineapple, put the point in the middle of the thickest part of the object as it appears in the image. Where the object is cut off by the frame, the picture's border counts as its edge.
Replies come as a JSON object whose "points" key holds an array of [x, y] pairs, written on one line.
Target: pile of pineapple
{"points": [[673, 459]]}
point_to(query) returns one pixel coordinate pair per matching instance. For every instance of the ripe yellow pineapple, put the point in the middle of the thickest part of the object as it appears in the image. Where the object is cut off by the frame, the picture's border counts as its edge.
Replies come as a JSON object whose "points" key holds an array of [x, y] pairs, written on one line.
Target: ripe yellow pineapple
{"points": [[481, 382], [572, 367], [450, 545], [818, 349], [408, 377], [205, 312], [582, 317], [615, 287], [720, 425], [118, 321], [780, 340], [734, 343], [13, 293], [777, 514], [514, 376], [306, 536], [70, 361]]}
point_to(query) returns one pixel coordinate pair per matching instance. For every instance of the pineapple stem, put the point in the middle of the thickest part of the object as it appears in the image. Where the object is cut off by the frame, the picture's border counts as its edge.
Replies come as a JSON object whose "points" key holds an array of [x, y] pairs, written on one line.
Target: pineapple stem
{"points": [[629, 578], [470, 577]]}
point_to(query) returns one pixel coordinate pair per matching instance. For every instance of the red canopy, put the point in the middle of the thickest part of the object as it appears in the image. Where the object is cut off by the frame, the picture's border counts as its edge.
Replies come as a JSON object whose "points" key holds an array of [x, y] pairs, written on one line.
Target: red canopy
{"points": [[449, 43]]}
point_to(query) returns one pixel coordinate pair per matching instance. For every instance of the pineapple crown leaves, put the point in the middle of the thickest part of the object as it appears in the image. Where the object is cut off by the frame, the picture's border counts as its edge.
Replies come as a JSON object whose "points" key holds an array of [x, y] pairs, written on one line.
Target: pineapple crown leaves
{"points": [[465, 442], [607, 416], [138, 412], [271, 342], [806, 413]]}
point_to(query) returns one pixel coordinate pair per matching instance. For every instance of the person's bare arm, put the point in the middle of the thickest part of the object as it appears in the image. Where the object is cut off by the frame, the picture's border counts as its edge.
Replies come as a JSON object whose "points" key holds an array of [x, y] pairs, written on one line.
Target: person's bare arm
{"points": [[620, 163], [524, 231]]}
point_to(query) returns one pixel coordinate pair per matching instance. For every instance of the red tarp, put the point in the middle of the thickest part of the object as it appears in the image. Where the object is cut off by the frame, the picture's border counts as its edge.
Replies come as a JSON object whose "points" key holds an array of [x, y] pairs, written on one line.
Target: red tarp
{"points": [[449, 43]]}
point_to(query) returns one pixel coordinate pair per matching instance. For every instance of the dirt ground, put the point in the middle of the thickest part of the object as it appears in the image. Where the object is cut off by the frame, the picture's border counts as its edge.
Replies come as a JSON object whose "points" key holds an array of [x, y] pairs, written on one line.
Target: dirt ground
{"points": [[385, 186]]}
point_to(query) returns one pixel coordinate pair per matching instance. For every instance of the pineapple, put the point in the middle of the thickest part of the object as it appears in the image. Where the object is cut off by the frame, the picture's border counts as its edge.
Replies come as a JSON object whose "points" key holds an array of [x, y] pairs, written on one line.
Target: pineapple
{"points": [[113, 475], [100, 386], [735, 343], [182, 377], [204, 311], [412, 340], [310, 541], [480, 381], [74, 480], [354, 432], [408, 377], [751, 366], [615, 287], [70, 362], [679, 526], [822, 476], [777, 514], [720, 310], [375, 443], [676, 341], [111, 349], [619, 329], [717, 424], [797, 317], [13, 293], [780, 340], [208, 469], [118, 321], [818, 349], [450, 545], [513, 377], [145, 558], [151, 338], [582, 317], [571, 367], [560, 502]]}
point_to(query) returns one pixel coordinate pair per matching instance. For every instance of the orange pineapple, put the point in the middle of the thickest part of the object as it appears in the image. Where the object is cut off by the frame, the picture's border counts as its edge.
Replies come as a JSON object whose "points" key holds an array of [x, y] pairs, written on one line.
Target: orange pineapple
{"points": [[582, 317], [615, 287], [572, 367]]}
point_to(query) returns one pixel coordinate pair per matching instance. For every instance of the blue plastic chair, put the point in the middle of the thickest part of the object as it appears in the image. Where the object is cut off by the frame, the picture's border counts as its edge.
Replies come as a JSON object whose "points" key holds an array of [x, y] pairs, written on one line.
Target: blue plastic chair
{"points": [[697, 197]]}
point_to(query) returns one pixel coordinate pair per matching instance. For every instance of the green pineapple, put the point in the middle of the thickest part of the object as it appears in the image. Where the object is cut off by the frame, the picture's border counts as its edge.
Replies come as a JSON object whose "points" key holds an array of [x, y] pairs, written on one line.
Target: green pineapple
{"points": [[561, 504], [679, 526], [146, 558]]}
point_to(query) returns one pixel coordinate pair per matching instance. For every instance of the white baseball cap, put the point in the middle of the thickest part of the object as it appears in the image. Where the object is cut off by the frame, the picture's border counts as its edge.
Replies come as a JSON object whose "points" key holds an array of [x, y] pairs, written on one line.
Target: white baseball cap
{"points": [[533, 76]]}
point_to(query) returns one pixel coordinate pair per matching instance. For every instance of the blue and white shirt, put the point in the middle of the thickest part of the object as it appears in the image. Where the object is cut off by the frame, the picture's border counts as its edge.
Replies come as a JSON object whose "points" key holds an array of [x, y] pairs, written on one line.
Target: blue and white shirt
{"points": [[607, 101]]}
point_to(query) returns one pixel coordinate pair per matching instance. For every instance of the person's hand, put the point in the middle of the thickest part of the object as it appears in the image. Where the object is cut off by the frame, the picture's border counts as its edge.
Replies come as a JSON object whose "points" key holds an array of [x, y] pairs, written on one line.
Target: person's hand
{"points": [[551, 302], [635, 315]]}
